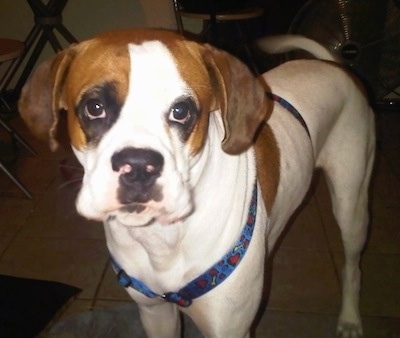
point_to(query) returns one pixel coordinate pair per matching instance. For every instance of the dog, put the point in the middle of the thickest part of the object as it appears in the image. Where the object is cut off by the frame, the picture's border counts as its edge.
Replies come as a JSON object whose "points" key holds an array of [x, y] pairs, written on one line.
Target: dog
{"points": [[195, 166]]}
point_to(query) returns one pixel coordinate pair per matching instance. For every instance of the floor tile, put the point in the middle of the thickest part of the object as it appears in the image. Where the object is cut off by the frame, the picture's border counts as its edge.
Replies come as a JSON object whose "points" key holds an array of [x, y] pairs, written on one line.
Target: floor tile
{"points": [[108, 319], [384, 229], [14, 213], [379, 293], [304, 281], [381, 327], [110, 289], [29, 170], [282, 324], [76, 262], [55, 216], [305, 231], [394, 161], [4, 243], [75, 307], [112, 304], [385, 184], [380, 283], [387, 130]]}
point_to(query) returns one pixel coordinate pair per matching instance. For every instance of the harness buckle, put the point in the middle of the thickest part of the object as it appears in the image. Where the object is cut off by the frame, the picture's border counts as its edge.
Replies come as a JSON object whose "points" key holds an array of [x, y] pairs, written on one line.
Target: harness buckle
{"points": [[176, 298]]}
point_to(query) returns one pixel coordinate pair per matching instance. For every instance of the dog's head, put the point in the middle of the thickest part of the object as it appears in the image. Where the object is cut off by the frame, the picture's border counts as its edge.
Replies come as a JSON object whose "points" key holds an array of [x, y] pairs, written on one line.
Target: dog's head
{"points": [[138, 104]]}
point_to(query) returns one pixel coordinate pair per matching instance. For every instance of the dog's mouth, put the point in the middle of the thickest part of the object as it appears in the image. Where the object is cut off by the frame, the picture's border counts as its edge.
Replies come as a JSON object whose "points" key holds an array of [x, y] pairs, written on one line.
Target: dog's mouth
{"points": [[137, 214], [130, 219], [133, 208], [166, 201]]}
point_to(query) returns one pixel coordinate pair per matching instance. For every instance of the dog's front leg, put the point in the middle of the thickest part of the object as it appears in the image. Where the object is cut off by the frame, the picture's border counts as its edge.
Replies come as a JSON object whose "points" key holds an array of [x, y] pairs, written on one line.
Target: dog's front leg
{"points": [[161, 320]]}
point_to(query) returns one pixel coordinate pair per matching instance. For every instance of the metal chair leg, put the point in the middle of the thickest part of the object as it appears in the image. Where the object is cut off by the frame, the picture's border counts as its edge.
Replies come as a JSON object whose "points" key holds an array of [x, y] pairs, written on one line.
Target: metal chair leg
{"points": [[17, 137], [16, 182]]}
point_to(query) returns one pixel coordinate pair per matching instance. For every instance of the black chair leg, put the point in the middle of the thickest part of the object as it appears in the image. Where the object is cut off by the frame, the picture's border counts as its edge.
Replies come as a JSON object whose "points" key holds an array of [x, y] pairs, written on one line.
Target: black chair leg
{"points": [[17, 137], [14, 179]]}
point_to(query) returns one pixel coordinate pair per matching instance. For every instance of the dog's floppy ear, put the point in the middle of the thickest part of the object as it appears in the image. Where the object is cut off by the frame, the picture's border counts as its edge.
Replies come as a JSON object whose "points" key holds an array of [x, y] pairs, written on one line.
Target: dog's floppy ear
{"points": [[241, 98], [41, 98]]}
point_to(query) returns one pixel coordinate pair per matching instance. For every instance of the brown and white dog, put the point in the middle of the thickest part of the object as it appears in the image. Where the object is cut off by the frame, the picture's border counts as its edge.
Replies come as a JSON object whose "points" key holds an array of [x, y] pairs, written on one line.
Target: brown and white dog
{"points": [[173, 137]]}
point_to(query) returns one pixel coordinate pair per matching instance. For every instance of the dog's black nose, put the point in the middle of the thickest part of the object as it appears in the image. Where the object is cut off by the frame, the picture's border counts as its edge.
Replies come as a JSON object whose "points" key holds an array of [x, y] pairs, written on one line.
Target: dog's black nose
{"points": [[139, 169]]}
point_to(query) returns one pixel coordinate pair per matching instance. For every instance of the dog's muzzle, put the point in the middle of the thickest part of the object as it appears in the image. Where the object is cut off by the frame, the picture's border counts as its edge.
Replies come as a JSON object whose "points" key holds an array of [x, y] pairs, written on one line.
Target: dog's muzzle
{"points": [[138, 169]]}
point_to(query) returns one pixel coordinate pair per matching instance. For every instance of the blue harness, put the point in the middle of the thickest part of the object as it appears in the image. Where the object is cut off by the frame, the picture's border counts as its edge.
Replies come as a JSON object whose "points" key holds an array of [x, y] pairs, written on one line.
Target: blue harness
{"points": [[209, 279], [285, 104]]}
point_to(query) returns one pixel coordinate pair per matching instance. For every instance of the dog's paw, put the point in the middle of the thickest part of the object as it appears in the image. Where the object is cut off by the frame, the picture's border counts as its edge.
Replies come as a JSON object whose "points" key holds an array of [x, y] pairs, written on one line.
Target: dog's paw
{"points": [[348, 329]]}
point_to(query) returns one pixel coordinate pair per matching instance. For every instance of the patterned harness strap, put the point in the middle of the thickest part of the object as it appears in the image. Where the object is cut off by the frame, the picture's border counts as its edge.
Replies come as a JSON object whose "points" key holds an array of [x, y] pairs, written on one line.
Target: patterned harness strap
{"points": [[209, 279], [285, 104]]}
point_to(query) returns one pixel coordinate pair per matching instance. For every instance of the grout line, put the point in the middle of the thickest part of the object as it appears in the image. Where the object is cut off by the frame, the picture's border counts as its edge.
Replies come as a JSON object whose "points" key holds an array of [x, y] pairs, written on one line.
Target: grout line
{"points": [[99, 285], [306, 312], [18, 231]]}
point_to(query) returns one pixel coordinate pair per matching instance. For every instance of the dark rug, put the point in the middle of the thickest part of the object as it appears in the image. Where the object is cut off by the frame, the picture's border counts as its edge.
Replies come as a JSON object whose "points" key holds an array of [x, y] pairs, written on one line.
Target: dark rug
{"points": [[28, 305]]}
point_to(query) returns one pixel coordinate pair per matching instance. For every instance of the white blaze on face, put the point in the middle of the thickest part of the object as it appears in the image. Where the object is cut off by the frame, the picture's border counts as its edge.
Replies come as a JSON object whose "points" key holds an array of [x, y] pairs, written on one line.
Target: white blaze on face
{"points": [[155, 84]]}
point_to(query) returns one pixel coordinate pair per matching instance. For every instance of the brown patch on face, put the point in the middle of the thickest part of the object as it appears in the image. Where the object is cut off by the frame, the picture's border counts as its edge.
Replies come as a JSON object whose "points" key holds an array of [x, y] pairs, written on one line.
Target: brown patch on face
{"points": [[192, 66], [268, 165], [106, 59], [76, 134], [234, 90], [193, 70], [60, 82], [100, 61]]}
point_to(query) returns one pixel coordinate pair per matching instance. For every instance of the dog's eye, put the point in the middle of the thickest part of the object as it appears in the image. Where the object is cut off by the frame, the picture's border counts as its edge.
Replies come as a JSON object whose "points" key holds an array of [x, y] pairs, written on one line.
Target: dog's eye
{"points": [[94, 109], [180, 113]]}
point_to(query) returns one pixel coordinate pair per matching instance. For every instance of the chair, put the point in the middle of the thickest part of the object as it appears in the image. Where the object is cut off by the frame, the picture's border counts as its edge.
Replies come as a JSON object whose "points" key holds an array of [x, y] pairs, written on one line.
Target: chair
{"points": [[213, 13], [48, 21], [10, 52]]}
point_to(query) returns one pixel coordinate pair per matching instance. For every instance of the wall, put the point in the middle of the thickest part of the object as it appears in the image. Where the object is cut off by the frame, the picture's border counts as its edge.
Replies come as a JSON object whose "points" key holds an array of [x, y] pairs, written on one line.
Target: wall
{"points": [[85, 18]]}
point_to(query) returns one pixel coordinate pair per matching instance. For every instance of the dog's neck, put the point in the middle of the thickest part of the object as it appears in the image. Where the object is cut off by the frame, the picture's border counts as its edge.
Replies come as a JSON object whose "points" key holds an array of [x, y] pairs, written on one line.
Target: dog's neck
{"points": [[186, 243]]}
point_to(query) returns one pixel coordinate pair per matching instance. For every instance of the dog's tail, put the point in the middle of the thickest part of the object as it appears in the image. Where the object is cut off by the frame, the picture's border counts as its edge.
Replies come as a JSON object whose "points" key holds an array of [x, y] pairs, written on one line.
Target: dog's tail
{"points": [[285, 43]]}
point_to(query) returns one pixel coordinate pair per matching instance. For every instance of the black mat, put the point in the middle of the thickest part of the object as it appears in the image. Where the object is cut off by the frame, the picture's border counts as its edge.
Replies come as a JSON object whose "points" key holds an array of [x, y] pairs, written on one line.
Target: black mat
{"points": [[28, 305]]}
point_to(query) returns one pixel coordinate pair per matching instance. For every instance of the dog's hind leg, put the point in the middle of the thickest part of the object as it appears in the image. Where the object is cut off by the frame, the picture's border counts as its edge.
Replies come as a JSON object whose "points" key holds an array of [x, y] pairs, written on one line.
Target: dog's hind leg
{"points": [[347, 160]]}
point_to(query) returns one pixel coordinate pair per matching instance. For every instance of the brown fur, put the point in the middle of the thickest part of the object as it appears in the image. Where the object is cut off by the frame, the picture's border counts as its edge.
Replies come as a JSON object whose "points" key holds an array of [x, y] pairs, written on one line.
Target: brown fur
{"points": [[267, 161]]}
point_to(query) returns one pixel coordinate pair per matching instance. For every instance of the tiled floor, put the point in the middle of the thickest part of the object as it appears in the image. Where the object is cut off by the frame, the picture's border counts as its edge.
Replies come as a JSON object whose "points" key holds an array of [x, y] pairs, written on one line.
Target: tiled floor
{"points": [[44, 238]]}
